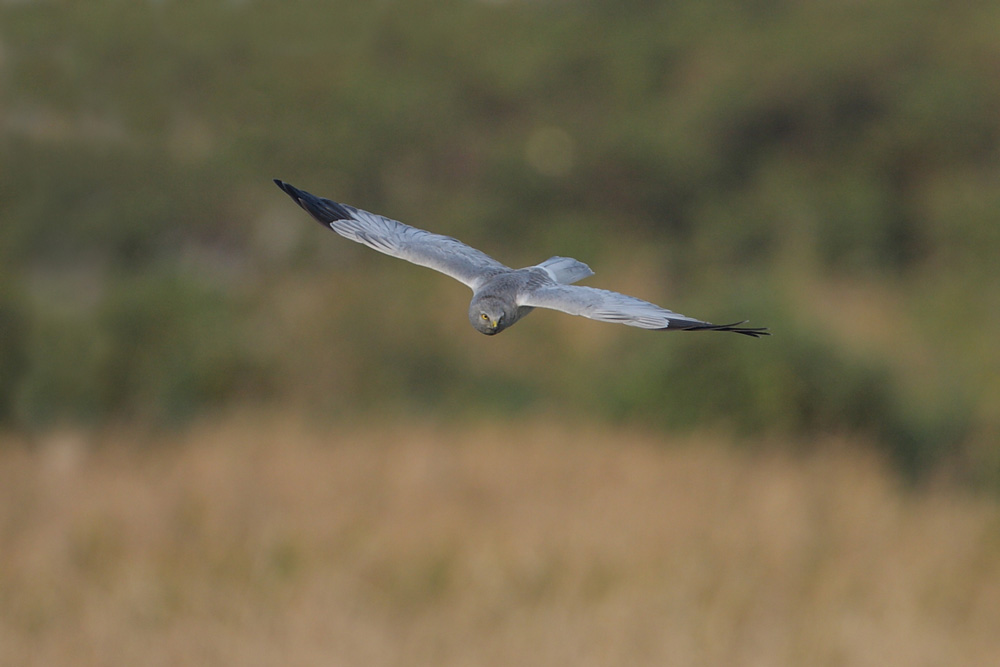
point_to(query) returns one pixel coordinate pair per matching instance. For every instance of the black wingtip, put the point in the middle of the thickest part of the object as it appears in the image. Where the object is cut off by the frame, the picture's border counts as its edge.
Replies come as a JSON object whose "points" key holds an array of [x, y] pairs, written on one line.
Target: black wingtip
{"points": [[287, 189], [324, 210], [754, 332]]}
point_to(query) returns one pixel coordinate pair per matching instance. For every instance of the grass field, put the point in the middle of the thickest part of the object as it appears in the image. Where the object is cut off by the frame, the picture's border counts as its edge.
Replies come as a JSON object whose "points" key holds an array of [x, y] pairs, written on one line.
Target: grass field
{"points": [[265, 542]]}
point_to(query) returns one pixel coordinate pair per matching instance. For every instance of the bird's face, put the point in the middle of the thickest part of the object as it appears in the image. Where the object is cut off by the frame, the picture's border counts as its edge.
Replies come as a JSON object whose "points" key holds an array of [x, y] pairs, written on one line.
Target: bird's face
{"points": [[488, 317]]}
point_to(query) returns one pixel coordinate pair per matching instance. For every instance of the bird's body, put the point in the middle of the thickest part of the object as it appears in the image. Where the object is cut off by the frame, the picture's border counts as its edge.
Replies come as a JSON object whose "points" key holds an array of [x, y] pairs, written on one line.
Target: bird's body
{"points": [[494, 305], [500, 295]]}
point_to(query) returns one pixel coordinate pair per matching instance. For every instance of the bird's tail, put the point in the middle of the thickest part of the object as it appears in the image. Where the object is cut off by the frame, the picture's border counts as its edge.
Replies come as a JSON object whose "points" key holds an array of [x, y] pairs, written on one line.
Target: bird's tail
{"points": [[566, 270]]}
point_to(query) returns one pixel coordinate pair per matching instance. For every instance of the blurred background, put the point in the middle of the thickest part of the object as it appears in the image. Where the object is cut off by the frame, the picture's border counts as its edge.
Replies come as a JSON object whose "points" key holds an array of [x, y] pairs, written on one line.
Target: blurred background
{"points": [[828, 170]]}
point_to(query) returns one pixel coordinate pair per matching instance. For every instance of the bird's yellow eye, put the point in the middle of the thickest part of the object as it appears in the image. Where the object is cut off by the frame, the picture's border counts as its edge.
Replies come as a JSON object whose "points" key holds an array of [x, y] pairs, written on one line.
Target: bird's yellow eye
{"points": [[486, 318]]}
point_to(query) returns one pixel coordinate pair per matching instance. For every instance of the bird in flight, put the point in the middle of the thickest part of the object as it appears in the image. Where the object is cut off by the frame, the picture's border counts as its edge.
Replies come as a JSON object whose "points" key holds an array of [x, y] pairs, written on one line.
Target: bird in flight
{"points": [[500, 295]]}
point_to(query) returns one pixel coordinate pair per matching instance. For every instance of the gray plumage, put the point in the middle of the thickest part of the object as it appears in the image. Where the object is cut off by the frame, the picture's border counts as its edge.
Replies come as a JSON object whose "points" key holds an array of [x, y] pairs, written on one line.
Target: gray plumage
{"points": [[500, 295]]}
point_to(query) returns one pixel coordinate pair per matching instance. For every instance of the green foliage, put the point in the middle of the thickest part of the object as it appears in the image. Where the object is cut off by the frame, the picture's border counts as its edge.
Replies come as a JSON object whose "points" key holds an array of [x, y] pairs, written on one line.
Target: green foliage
{"points": [[179, 347], [777, 144], [13, 348], [795, 388], [153, 347]]}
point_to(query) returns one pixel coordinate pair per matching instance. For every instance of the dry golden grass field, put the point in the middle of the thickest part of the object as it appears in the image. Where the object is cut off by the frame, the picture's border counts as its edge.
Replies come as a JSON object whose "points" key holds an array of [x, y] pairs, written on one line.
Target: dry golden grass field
{"points": [[261, 541]]}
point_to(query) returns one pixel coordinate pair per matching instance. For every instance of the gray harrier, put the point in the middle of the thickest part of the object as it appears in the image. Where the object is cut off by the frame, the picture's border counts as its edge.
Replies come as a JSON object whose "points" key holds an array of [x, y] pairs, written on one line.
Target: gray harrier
{"points": [[500, 295]]}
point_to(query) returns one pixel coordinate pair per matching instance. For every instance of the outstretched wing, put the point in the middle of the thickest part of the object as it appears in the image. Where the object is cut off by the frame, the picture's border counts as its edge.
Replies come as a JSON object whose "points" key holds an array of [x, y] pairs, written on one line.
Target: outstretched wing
{"points": [[607, 306], [441, 253]]}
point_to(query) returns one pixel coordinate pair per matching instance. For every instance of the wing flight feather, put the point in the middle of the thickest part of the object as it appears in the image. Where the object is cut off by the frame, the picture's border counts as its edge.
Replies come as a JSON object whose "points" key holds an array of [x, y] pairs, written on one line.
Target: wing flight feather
{"points": [[608, 306], [435, 251]]}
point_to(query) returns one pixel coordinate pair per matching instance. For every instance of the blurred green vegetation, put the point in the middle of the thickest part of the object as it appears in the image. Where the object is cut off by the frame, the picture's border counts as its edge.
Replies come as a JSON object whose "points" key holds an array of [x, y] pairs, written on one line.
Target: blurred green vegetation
{"points": [[830, 170]]}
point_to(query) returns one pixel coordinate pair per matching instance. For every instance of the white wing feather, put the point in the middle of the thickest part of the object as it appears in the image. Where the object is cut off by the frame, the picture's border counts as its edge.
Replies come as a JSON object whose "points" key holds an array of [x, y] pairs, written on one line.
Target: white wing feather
{"points": [[435, 251], [608, 306]]}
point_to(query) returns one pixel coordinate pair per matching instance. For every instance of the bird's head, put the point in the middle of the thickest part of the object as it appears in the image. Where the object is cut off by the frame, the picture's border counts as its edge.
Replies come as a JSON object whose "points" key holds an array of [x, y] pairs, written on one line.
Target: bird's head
{"points": [[489, 315]]}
